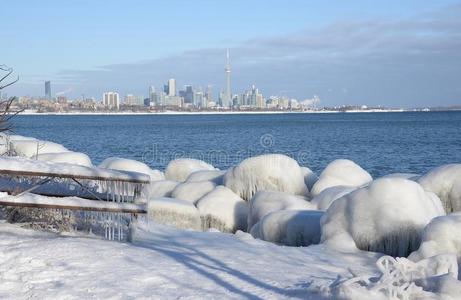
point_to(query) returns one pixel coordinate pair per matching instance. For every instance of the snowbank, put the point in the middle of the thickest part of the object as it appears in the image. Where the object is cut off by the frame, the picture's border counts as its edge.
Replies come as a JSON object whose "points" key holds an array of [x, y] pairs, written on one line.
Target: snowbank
{"points": [[289, 227], [224, 210], [387, 216], [175, 212], [192, 191], [161, 188], [264, 203], [341, 172], [310, 178], [70, 157], [441, 235], [29, 148], [179, 169], [123, 164], [445, 182], [207, 175], [329, 195], [270, 172]]}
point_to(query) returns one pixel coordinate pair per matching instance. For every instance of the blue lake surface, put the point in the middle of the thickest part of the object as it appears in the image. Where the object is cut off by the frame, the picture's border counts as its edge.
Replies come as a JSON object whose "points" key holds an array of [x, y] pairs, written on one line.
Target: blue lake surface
{"points": [[381, 143]]}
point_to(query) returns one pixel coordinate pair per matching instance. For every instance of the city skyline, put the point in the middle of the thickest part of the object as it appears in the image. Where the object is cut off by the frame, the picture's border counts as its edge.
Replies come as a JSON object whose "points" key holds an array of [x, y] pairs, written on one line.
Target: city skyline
{"points": [[400, 55]]}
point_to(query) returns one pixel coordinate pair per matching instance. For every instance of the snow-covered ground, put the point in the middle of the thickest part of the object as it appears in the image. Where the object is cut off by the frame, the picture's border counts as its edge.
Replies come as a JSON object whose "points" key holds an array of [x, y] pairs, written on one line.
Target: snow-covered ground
{"points": [[167, 263]]}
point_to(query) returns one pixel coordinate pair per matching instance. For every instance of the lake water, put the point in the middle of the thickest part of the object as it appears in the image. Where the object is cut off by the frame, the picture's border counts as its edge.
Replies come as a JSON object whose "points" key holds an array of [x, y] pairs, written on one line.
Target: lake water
{"points": [[381, 143]]}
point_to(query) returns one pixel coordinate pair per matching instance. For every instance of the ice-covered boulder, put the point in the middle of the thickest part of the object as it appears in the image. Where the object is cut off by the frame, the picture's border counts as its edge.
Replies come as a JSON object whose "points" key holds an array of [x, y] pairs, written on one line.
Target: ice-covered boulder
{"points": [[442, 235], [123, 164], [445, 182], [224, 210], [207, 175], [386, 216], [31, 147], [269, 172], [192, 191], [289, 227], [411, 176], [329, 195], [179, 169], [161, 188], [264, 202], [175, 212], [70, 157], [310, 178], [341, 172]]}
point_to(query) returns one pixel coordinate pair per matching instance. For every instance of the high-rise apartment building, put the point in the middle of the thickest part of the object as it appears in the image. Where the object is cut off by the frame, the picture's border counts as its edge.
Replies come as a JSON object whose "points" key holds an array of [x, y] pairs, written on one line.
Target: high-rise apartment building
{"points": [[48, 90], [111, 100]]}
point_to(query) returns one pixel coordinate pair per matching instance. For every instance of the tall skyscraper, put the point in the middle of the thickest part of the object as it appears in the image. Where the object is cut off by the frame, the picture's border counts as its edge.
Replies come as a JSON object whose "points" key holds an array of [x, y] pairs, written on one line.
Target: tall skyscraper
{"points": [[227, 100], [209, 93], [172, 87], [48, 90]]}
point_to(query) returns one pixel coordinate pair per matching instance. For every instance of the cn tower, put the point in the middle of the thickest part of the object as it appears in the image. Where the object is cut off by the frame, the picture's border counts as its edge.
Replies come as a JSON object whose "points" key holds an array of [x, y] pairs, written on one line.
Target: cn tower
{"points": [[228, 100]]}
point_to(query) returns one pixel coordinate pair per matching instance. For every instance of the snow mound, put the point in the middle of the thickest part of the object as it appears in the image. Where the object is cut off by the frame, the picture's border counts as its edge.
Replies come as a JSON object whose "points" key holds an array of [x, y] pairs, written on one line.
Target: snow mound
{"points": [[269, 172], [70, 157], [29, 148], [264, 203], [341, 172], [123, 164], [387, 216], [310, 178], [330, 195], [161, 188], [441, 235], [445, 182], [289, 227], [410, 176], [192, 191], [224, 210], [175, 212], [207, 175], [399, 278], [179, 169]]}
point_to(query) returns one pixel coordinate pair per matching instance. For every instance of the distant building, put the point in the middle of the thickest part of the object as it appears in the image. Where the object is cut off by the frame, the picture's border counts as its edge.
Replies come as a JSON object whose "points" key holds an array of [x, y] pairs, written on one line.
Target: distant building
{"points": [[188, 94], [48, 90], [209, 94], [111, 100], [172, 87], [131, 99]]}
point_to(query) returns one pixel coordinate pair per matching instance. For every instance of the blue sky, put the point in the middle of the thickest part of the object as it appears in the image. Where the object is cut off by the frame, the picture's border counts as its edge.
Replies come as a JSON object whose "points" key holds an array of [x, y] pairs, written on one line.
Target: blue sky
{"points": [[393, 53]]}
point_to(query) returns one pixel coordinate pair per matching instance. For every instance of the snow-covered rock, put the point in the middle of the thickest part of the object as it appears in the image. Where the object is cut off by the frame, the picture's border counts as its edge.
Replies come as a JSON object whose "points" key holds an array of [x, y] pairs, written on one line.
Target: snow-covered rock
{"points": [[445, 182], [441, 235], [269, 172], [161, 188], [341, 172], [310, 178], [207, 175], [70, 157], [289, 227], [31, 147], [411, 176], [264, 202], [323, 200], [175, 212], [192, 191], [386, 216], [179, 169], [123, 164], [224, 210]]}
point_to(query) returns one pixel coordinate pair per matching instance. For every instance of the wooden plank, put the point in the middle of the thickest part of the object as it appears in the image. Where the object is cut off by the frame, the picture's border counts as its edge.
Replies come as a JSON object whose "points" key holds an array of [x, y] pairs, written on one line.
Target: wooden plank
{"points": [[138, 210], [71, 176]]}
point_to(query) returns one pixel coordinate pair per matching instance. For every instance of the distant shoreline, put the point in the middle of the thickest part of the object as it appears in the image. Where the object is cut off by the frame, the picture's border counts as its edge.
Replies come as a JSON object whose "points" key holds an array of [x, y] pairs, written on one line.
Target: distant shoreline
{"points": [[213, 112]]}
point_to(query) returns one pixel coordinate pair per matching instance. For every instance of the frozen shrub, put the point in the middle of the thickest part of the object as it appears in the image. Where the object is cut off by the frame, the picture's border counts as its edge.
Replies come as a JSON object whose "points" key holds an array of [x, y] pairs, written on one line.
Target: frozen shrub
{"points": [[445, 182], [123, 164], [270, 172], [289, 227], [192, 191], [387, 216], [341, 172], [264, 203], [224, 210], [179, 169], [175, 212], [207, 175]]}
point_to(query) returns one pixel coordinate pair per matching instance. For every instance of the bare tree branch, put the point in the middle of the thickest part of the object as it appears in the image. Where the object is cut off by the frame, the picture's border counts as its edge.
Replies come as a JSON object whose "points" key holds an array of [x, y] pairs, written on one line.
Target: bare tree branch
{"points": [[6, 111]]}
